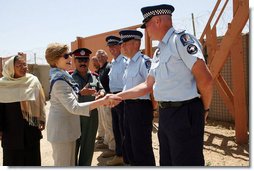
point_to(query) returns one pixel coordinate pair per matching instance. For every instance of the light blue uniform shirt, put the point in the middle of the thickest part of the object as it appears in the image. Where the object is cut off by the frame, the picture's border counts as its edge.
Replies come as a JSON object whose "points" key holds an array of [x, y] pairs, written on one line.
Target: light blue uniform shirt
{"points": [[116, 72], [172, 64], [136, 72]]}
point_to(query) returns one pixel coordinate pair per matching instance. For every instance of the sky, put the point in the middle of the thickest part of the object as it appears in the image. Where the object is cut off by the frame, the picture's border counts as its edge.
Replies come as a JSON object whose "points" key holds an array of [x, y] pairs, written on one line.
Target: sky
{"points": [[30, 25]]}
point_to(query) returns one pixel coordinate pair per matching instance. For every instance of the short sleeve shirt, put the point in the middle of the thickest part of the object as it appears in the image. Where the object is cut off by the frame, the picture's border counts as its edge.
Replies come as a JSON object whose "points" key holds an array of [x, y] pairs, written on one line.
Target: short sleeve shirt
{"points": [[116, 72], [136, 72], [172, 64]]}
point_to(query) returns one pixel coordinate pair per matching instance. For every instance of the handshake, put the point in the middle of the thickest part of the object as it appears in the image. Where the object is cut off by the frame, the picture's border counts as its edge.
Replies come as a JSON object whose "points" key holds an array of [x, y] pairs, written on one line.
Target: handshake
{"points": [[111, 100]]}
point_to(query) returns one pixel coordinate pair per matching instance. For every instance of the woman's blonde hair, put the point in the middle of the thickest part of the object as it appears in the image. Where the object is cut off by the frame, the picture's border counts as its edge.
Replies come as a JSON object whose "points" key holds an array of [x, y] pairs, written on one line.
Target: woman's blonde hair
{"points": [[54, 51]]}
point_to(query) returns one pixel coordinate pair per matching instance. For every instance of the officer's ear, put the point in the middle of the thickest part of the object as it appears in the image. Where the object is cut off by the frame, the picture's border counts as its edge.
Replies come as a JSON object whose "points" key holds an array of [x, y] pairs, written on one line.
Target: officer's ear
{"points": [[157, 19]]}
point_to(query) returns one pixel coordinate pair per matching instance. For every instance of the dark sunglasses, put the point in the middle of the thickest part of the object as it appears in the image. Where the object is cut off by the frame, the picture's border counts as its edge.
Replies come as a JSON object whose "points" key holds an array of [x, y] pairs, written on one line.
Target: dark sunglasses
{"points": [[66, 55], [80, 60]]}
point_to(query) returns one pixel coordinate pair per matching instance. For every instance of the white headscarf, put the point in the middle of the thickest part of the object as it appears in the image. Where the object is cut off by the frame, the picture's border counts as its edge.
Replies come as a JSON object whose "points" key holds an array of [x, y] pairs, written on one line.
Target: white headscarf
{"points": [[27, 90]]}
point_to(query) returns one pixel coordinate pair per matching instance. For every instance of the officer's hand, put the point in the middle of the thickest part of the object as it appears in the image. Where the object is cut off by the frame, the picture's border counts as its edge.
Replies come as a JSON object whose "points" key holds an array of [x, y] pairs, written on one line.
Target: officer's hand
{"points": [[112, 100], [87, 91]]}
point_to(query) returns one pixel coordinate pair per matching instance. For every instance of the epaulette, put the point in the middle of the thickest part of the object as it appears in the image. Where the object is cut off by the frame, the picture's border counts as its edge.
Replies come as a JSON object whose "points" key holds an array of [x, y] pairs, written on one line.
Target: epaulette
{"points": [[179, 31]]}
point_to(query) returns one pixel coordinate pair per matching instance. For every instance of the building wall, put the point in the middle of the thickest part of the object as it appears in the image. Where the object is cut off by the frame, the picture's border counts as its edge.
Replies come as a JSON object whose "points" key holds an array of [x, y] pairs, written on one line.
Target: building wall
{"points": [[42, 72], [97, 42], [2, 61]]}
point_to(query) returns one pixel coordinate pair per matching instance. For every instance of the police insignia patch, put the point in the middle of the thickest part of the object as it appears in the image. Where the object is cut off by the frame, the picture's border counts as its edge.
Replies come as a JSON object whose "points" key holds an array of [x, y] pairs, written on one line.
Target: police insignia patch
{"points": [[148, 64], [186, 39], [192, 49]]}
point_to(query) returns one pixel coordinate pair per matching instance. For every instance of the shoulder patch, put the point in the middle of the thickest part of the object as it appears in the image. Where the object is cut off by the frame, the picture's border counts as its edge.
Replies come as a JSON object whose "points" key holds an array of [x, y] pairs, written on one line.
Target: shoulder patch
{"points": [[192, 49], [148, 64], [147, 61], [186, 39]]}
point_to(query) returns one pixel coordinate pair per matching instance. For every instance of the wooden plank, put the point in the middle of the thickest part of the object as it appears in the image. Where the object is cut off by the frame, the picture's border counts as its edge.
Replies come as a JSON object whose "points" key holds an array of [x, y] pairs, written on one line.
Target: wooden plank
{"points": [[240, 106], [148, 45], [236, 27], [208, 25], [213, 44], [225, 93]]}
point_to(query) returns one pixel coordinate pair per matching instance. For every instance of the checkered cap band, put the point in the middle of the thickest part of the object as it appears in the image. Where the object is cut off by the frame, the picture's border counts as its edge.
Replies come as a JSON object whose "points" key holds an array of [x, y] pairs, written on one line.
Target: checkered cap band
{"points": [[130, 36], [156, 12], [112, 40]]}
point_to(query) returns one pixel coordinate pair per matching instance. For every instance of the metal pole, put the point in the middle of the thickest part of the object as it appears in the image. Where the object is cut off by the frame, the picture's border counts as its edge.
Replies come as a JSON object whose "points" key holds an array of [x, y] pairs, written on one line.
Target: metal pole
{"points": [[34, 58], [193, 24]]}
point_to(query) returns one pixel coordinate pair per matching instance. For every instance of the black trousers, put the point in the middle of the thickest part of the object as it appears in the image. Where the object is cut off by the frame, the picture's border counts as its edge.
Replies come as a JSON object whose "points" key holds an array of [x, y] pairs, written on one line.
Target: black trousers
{"points": [[181, 132], [138, 118], [117, 124], [29, 156]]}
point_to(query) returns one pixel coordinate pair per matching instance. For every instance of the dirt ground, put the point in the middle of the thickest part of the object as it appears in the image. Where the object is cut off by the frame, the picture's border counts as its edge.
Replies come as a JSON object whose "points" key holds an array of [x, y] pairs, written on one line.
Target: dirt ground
{"points": [[220, 148]]}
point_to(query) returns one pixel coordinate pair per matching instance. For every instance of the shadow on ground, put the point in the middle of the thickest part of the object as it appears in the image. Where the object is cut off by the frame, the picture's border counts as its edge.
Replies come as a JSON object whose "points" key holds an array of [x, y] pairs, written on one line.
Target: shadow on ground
{"points": [[224, 143], [101, 160]]}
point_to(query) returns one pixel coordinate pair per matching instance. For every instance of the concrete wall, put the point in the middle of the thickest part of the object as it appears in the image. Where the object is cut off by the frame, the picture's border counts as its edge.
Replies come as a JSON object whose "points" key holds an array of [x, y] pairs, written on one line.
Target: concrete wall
{"points": [[42, 72], [2, 61], [97, 42]]}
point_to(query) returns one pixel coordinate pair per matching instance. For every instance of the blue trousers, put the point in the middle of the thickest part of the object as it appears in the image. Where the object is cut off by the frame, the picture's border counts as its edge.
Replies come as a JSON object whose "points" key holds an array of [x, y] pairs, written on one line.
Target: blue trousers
{"points": [[138, 118], [181, 132], [117, 124]]}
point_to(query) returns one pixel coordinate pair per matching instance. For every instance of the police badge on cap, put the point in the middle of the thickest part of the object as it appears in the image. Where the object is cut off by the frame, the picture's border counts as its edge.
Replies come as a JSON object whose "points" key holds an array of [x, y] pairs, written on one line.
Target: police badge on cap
{"points": [[81, 52], [150, 11]]}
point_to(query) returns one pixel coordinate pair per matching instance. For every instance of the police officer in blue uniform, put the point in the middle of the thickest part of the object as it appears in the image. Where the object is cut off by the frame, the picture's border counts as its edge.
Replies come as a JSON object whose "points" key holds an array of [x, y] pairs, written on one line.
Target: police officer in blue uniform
{"points": [[90, 85], [138, 112], [182, 84], [118, 65]]}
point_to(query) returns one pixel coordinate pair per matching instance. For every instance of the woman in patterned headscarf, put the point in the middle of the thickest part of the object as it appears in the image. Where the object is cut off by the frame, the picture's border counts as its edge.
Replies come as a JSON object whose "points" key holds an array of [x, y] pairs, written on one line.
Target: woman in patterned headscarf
{"points": [[22, 114]]}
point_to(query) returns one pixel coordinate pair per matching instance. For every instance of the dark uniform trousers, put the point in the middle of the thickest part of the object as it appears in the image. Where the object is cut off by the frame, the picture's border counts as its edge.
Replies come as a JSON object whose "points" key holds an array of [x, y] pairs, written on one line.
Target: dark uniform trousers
{"points": [[85, 144], [181, 131], [117, 124], [138, 118]]}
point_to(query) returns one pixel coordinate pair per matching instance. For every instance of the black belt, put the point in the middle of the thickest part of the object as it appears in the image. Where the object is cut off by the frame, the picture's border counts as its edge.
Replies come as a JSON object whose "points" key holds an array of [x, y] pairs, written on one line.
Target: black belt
{"points": [[163, 104], [136, 100]]}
